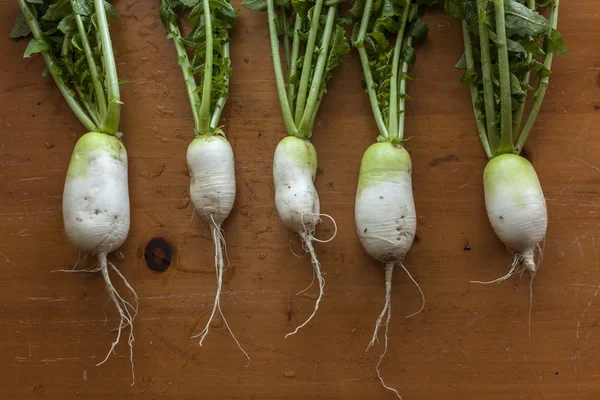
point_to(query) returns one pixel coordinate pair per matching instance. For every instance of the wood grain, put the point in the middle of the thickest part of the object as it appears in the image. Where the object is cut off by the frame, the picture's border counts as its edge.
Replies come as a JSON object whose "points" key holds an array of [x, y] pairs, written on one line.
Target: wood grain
{"points": [[471, 341]]}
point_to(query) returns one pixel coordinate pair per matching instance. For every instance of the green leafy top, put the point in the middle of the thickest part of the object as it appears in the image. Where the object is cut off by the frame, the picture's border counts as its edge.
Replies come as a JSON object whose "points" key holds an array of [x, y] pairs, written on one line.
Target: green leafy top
{"points": [[74, 39], [385, 64], [314, 45], [203, 55], [505, 42]]}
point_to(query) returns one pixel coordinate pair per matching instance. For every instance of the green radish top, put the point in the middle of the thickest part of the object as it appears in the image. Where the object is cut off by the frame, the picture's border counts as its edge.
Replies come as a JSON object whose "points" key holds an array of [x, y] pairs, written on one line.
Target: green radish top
{"points": [[74, 39], [203, 56], [383, 162], [384, 39], [509, 170], [505, 41], [301, 151], [318, 45], [86, 147]]}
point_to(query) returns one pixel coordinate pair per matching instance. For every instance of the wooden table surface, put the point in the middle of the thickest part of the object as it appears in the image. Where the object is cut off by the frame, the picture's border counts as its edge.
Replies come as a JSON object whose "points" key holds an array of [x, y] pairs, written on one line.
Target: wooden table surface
{"points": [[471, 341]]}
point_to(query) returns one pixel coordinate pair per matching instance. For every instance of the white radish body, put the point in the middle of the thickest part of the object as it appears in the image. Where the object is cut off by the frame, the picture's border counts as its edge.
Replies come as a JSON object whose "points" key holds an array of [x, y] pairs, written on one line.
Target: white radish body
{"points": [[212, 191], [96, 194], [296, 198], [212, 178], [386, 219], [516, 206], [96, 214], [294, 172]]}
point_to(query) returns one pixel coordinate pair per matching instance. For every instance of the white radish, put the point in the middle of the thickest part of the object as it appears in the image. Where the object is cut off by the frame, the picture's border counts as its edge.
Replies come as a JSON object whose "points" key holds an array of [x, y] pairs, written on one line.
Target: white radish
{"points": [[296, 199], [309, 66], [209, 156], [96, 193], [96, 213], [516, 208], [386, 219], [212, 191]]}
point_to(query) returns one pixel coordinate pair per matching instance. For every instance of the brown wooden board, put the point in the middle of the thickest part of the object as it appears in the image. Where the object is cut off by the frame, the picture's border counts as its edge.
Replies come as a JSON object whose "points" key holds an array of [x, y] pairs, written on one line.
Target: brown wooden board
{"points": [[471, 342]]}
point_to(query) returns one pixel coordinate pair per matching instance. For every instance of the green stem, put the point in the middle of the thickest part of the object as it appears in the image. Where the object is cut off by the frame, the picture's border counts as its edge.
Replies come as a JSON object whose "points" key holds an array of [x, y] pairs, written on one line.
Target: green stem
{"points": [[506, 139], [208, 67], [364, 60], [307, 65], [283, 100], [214, 122], [521, 110], [316, 111], [286, 38], [110, 123], [475, 93], [89, 106], [402, 99], [190, 81], [317, 79], [89, 55], [64, 52], [53, 70], [293, 69], [488, 84], [544, 83], [393, 121]]}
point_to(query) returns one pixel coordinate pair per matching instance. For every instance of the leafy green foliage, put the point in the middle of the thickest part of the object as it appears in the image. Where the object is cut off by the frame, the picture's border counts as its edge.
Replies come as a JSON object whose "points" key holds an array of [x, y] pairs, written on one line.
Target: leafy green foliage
{"points": [[80, 76], [531, 39], [222, 17], [317, 74], [387, 18], [20, 28]]}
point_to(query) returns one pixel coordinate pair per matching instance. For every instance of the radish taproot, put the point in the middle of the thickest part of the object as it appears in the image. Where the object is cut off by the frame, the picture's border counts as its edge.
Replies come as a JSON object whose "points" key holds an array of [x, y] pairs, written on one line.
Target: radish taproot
{"points": [[316, 31], [74, 40], [209, 156], [385, 214], [502, 41]]}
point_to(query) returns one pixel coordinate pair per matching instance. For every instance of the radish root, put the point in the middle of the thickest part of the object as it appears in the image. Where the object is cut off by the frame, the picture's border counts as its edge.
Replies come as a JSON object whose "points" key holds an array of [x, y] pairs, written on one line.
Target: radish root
{"points": [[520, 264], [307, 239], [127, 311], [387, 312], [219, 241]]}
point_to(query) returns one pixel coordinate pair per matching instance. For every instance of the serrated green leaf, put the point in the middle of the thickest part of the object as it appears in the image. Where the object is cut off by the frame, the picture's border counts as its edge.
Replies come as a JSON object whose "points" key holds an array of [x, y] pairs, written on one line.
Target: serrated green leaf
{"points": [[83, 7], [419, 30], [189, 3], [408, 55], [35, 46], [522, 21], [462, 63], [470, 77], [556, 43], [257, 5], [110, 11], [58, 10], [20, 28]]}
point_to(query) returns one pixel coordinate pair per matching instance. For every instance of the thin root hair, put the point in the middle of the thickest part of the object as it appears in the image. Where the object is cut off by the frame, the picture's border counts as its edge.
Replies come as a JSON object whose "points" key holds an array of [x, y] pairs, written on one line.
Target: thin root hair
{"points": [[123, 307], [292, 250], [219, 272], [335, 229], [385, 347], [307, 239], [389, 271], [232, 335], [420, 291], [514, 269], [220, 245]]}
